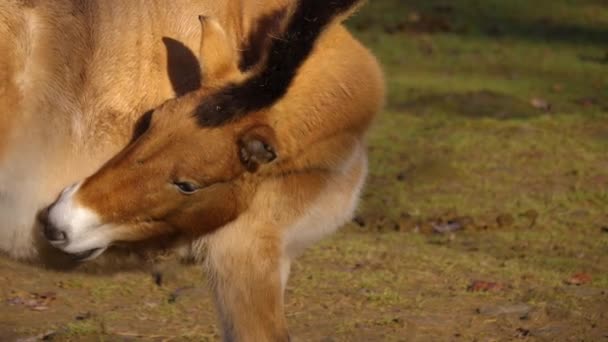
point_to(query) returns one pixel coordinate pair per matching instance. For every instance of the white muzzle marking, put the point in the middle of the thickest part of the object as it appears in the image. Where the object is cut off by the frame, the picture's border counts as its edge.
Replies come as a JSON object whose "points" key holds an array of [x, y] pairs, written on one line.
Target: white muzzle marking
{"points": [[81, 226]]}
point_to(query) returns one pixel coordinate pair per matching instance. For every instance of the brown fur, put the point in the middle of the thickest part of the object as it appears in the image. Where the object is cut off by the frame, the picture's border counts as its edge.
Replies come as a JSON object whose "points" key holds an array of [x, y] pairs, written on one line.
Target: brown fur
{"points": [[268, 210], [175, 149]]}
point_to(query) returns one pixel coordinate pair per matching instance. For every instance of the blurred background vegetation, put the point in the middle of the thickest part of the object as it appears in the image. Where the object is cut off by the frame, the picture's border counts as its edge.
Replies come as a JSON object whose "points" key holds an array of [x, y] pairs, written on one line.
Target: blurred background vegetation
{"points": [[492, 105]]}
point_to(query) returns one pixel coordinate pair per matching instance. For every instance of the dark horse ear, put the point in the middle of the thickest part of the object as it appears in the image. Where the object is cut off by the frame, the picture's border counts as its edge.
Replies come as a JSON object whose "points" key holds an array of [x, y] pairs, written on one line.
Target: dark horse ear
{"points": [[285, 55], [257, 146]]}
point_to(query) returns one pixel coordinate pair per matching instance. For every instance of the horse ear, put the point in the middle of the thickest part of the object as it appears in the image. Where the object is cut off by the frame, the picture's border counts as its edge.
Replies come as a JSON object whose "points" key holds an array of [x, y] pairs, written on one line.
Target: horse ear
{"points": [[257, 146], [218, 55]]}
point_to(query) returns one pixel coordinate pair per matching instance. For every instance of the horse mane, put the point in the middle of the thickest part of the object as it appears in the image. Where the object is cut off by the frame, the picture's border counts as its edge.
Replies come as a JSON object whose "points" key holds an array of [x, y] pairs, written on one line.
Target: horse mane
{"points": [[284, 57]]}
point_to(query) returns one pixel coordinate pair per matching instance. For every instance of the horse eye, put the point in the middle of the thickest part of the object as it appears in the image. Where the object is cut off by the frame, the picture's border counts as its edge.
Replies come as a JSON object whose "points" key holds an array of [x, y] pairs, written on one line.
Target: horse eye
{"points": [[186, 187]]}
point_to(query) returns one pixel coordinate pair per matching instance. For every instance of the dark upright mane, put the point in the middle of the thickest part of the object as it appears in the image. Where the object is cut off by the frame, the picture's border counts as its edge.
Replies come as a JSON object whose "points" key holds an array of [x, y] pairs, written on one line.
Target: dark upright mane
{"points": [[285, 56]]}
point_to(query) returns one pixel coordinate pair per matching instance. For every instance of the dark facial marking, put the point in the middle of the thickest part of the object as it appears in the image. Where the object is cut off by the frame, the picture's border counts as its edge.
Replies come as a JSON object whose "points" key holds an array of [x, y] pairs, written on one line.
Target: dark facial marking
{"points": [[141, 125], [259, 38]]}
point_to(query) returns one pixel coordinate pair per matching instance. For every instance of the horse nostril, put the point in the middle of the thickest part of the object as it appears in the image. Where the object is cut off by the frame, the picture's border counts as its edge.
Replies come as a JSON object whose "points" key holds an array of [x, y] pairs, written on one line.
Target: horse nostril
{"points": [[53, 234]]}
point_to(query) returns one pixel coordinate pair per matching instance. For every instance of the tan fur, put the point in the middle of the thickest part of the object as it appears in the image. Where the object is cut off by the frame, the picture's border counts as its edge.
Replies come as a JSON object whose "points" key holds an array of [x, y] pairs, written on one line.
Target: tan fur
{"points": [[75, 78], [222, 56], [77, 89]]}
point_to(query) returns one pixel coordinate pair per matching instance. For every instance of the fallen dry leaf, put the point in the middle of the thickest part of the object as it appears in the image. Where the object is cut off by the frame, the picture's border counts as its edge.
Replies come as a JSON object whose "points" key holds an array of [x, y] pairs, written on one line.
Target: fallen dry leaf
{"points": [[579, 279], [484, 286]]}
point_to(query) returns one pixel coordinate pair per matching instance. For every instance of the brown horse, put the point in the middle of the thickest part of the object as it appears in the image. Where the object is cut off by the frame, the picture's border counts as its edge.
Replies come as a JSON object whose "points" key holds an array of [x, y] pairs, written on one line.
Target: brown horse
{"points": [[246, 168]]}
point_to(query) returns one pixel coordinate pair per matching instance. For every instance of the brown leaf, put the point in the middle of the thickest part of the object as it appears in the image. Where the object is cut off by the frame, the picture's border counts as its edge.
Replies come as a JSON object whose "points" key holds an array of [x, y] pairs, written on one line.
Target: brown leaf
{"points": [[579, 279], [485, 286]]}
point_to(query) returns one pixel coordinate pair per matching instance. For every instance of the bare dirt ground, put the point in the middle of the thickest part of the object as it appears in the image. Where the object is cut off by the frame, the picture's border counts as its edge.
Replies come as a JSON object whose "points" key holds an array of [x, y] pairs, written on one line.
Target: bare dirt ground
{"points": [[485, 215], [358, 286]]}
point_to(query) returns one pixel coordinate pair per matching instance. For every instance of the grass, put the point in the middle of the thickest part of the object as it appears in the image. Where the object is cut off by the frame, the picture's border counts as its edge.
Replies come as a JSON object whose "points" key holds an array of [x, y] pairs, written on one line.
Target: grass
{"points": [[82, 328], [496, 117], [551, 48]]}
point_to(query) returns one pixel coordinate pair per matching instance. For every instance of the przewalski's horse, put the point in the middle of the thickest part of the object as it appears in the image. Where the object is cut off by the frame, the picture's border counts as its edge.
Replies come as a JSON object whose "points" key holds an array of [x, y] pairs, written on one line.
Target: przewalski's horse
{"points": [[75, 77], [263, 162]]}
